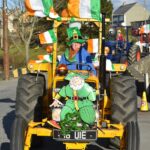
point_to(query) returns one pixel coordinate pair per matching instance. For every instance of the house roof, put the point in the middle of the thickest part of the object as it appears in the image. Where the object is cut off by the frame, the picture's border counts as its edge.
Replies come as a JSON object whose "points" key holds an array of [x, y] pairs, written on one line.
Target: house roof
{"points": [[123, 9]]}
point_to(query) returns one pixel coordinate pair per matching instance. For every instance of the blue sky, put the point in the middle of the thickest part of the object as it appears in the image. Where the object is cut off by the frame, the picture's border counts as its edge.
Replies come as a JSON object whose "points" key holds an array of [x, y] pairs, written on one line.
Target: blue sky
{"points": [[10, 2], [116, 3]]}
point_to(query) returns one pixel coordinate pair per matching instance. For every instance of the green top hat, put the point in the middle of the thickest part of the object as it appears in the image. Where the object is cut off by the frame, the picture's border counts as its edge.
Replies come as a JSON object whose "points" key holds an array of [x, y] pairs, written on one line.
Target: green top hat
{"points": [[74, 35]]}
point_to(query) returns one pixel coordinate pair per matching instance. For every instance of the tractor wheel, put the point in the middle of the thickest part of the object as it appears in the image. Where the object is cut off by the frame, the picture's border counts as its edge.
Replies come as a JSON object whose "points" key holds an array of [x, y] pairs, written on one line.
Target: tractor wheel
{"points": [[124, 110], [30, 91], [134, 54]]}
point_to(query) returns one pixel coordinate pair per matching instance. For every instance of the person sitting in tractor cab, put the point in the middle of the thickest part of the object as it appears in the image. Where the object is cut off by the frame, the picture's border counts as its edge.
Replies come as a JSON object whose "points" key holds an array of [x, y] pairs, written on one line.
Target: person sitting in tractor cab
{"points": [[76, 56]]}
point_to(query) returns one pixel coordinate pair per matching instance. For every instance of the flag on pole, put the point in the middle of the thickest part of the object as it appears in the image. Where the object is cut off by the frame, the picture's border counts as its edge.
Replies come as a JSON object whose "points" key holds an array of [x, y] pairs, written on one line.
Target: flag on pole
{"points": [[45, 58], [95, 60], [145, 29], [92, 45], [41, 8], [109, 65], [84, 9], [48, 37]]}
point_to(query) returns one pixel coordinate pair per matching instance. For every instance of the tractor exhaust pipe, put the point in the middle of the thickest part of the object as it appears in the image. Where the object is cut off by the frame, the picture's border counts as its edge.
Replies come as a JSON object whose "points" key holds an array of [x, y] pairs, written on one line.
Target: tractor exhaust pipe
{"points": [[102, 74]]}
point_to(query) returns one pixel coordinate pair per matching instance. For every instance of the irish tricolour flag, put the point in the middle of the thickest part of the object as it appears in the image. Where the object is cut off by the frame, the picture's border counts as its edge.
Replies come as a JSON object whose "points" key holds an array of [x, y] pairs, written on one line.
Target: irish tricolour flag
{"points": [[48, 37], [84, 9], [92, 45], [145, 29], [45, 58], [41, 8]]}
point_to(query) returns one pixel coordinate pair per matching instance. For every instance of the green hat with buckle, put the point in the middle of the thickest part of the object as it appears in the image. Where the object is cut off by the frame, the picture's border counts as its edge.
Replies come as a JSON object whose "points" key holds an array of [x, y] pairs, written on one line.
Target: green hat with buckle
{"points": [[74, 36]]}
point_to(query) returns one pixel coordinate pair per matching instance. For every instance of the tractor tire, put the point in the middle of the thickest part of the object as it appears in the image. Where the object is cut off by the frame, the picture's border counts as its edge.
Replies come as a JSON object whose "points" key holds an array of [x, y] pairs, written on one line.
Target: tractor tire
{"points": [[30, 91], [134, 54], [132, 136], [124, 110], [17, 134]]}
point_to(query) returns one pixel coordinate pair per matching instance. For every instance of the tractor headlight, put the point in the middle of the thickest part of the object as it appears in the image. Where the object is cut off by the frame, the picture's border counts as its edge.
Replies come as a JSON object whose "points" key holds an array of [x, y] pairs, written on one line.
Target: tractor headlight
{"points": [[122, 67], [76, 83], [30, 66]]}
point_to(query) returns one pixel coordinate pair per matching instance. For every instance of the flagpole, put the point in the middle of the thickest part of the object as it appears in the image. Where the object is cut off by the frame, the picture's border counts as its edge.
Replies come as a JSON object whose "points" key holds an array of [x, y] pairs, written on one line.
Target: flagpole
{"points": [[145, 10]]}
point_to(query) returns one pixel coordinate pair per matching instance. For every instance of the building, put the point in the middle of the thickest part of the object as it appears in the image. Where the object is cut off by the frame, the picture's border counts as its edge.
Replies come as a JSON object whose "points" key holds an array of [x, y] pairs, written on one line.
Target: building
{"points": [[11, 16], [137, 24], [128, 13]]}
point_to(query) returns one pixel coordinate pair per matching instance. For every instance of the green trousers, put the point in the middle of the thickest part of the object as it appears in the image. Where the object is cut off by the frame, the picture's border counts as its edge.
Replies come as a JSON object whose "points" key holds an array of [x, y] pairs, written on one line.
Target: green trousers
{"points": [[86, 110]]}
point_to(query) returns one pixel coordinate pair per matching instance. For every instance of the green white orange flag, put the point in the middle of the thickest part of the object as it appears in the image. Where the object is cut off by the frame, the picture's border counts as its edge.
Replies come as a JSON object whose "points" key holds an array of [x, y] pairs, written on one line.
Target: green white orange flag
{"points": [[45, 58], [145, 29], [92, 45], [41, 8], [84, 9], [48, 37], [109, 65]]}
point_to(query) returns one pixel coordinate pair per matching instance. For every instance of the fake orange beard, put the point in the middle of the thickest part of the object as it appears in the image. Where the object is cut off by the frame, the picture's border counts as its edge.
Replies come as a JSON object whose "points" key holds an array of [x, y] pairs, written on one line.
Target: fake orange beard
{"points": [[72, 53]]}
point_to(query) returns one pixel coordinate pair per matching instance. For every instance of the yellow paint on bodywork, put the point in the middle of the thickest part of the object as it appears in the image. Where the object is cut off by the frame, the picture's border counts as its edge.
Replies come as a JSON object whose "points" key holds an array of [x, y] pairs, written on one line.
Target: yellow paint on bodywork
{"points": [[119, 67], [34, 67], [75, 146], [112, 131]]}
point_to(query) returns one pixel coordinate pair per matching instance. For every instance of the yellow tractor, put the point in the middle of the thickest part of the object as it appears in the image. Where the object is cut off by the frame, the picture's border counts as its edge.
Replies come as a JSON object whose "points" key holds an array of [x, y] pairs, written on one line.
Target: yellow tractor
{"points": [[115, 106]]}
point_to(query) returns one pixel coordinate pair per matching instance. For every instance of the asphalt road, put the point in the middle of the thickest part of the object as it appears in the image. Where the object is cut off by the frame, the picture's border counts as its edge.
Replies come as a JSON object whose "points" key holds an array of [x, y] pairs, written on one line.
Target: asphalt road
{"points": [[7, 107]]}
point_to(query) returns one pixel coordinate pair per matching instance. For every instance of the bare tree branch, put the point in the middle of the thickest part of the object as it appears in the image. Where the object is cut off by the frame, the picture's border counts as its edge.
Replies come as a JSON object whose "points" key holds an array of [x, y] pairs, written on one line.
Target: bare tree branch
{"points": [[14, 42], [24, 26]]}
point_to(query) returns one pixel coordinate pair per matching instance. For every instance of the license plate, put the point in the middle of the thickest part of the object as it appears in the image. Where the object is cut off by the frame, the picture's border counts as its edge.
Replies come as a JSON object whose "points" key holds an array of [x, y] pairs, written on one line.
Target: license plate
{"points": [[90, 135]]}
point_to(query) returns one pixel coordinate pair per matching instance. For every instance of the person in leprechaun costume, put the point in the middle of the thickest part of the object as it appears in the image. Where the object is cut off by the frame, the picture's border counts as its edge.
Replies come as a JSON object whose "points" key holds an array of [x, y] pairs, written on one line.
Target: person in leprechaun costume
{"points": [[76, 53], [80, 97]]}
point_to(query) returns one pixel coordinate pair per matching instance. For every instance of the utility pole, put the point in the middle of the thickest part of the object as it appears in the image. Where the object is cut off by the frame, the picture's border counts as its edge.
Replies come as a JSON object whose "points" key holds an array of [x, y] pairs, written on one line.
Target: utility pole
{"points": [[5, 41], [145, 11]]}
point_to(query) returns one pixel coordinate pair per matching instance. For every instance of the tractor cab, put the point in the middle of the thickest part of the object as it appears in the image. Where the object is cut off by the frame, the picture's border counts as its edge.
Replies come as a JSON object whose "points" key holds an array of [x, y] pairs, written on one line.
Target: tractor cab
{"points": [[118, 47]]}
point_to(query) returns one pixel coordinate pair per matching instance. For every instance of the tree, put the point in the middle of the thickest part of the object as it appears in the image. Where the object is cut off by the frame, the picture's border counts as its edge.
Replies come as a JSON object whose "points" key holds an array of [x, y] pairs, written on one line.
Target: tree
{"points": [[23, 24], [27, 28], [107, 7]]}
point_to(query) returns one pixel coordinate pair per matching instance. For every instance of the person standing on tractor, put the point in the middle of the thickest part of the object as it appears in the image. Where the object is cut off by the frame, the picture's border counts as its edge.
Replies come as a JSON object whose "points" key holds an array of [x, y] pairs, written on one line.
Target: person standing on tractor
{"points": [[119, 36], [76, 56]]}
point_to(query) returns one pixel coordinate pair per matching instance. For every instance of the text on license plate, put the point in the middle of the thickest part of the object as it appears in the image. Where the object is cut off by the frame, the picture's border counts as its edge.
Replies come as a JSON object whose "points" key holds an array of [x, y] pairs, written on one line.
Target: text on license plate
{"points": [[89, 135]]}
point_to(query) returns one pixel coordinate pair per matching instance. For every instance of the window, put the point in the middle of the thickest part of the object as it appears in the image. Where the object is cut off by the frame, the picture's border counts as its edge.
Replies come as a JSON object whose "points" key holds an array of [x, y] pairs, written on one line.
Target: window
{"points": [[118, 19], [121, 18], [115, 18]]}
